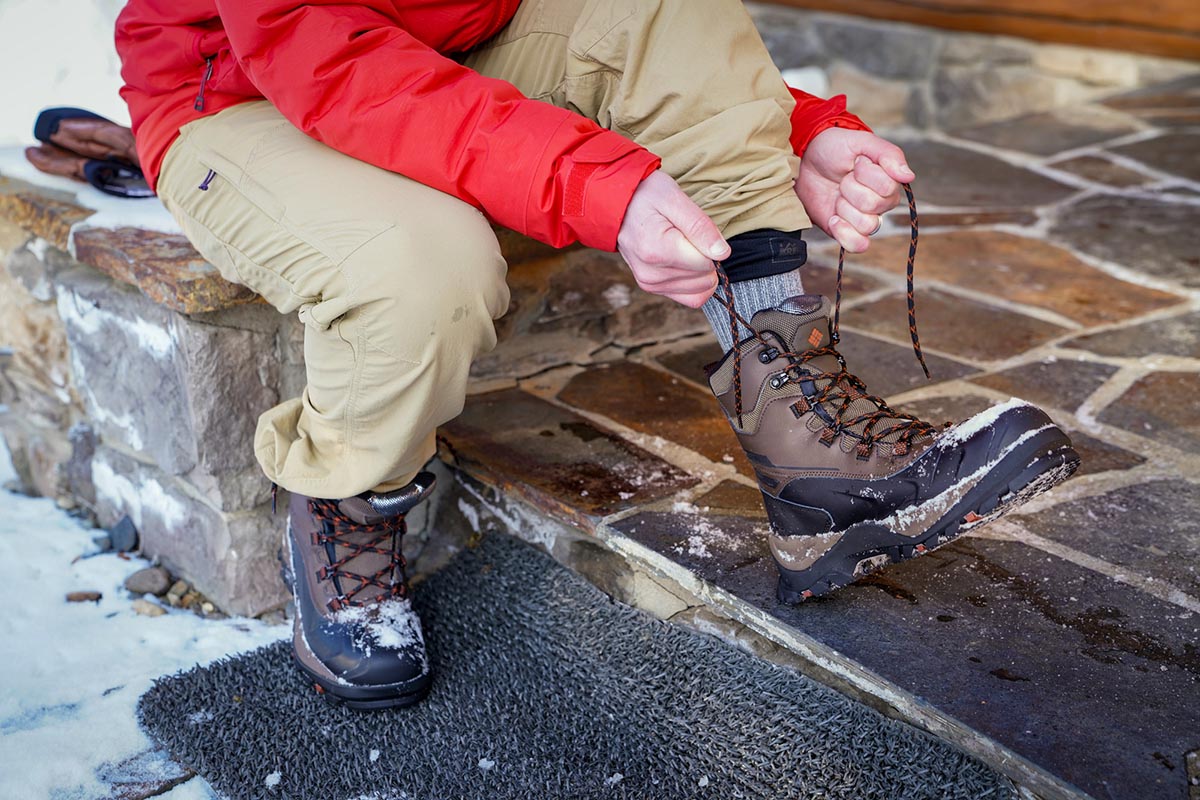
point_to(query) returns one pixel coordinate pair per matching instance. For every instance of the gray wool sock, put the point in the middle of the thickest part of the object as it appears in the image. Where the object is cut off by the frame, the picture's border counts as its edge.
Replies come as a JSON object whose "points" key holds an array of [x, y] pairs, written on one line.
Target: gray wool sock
{"points": [[750, 297]]}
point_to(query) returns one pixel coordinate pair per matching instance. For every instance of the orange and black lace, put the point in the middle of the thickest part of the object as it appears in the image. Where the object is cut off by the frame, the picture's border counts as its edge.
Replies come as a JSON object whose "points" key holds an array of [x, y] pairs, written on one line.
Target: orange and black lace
{"points": [[842, 385], [335, 529]]}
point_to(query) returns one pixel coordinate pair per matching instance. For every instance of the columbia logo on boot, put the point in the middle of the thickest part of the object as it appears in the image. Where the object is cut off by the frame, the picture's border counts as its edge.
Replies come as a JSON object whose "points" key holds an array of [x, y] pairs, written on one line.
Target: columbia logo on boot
{"points": [[815, 338]]}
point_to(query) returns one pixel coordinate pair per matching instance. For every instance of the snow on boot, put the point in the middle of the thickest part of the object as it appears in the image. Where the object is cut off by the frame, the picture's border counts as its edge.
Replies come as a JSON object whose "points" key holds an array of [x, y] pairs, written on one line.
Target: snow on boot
{"points": [[356, 635], [851, 485]]}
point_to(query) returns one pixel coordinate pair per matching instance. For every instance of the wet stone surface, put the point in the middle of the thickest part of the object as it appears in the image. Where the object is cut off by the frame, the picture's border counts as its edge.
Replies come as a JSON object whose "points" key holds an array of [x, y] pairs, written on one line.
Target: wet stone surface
{"points": [[889, 369], [654, 402], [952, 408], [1175, 153], [1149, 236], [955, 325], [1050, 132], [1101, 170], [1023, 270], [1099, 456], [955, 176], [557, 459], [1151, 528], [691, 357], [1015, 643], [729, 498], [1175, 336], [1058, 383], [1161, 406]]}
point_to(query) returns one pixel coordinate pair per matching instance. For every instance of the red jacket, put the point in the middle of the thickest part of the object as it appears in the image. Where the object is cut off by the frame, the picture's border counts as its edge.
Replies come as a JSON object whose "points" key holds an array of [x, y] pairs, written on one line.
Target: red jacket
{"points": [[373, 79]]}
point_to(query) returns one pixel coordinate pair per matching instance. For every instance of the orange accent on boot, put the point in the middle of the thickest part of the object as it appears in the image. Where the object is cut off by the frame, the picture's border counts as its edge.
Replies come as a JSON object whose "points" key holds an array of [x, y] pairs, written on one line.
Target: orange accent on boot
{"points": [[972, 517], [815, 338]]}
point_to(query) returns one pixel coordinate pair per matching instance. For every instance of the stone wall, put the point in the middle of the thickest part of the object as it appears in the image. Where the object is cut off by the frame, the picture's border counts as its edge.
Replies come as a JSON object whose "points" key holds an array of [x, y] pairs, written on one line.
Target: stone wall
{"points": [[898, 75], [118, 406]]}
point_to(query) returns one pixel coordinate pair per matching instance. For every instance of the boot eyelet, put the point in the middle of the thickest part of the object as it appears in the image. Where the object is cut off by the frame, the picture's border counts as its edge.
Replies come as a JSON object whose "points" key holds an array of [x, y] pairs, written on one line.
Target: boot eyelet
{"points": [[863, 452], [768, 355], [779, 380]]}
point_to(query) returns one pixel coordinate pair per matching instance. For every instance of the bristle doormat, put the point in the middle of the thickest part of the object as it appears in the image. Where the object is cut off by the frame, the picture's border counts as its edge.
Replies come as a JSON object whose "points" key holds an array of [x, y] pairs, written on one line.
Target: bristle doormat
{"points": [[546, 688]]}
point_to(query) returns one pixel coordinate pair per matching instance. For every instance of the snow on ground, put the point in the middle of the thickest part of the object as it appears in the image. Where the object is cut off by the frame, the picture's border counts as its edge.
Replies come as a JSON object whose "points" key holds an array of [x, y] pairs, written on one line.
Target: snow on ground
{"points": [[71, 673]]}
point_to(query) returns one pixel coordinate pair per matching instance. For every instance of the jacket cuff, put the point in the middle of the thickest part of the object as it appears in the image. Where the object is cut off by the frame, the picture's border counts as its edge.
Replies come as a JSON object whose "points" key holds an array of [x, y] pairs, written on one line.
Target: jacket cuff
{"points": [[811, 118], [595, 208], [594, 182]]}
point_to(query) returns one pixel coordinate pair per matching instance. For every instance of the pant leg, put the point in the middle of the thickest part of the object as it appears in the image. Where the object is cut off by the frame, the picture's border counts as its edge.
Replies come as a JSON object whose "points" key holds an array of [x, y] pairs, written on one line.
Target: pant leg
{"points": [[690, 80], [397, 285]]}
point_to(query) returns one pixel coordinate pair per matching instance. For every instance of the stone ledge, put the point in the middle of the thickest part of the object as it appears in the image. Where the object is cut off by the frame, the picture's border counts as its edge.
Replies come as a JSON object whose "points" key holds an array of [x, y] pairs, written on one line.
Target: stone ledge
{"points": [[164, 266]]}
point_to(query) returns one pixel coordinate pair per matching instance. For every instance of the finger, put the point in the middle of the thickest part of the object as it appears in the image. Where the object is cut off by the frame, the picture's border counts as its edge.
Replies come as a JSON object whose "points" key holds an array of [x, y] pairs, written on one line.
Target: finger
{"points": [[847, 236], [675, 250], [886, 155], [56, 161], [866, 224], [864, 199], [663, 279], [872, 176], [694, 299], [696, 227]]}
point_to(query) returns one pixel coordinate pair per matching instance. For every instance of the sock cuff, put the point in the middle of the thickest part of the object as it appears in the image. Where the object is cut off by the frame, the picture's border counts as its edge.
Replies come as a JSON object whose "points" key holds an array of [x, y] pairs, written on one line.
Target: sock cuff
{"points": [[763, 253]]}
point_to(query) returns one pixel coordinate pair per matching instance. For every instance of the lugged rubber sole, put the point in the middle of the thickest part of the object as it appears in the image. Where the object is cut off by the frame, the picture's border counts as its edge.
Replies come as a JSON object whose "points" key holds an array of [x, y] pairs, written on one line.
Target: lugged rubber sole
{"points": [[367, 698], [868, 546]]}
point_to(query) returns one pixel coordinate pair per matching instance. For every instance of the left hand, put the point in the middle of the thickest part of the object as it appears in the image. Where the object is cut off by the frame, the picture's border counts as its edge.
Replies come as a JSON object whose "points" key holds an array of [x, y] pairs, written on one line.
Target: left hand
{"points": [[847, 180]]}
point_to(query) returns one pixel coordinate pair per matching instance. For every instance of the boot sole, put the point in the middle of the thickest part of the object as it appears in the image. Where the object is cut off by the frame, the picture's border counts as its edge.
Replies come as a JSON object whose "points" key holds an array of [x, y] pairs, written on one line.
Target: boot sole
{"points": [[367, 698], [358, 698], [869, 546]]}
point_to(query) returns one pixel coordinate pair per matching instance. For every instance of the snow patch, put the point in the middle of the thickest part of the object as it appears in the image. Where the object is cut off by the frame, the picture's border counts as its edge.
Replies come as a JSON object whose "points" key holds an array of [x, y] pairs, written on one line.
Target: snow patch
{"points": [[199, 717], [486, 764], [614, 779], [272, 780], [373, 755], [38, 247], [704, 533], [91, 320], [617, 296], [392, 625], [984, 419], [137, 501], [103, 656]]}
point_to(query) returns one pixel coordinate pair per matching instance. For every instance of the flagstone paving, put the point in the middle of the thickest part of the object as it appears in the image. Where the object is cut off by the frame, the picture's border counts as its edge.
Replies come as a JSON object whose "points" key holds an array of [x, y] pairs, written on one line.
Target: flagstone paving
{"points": [[1057, 263]]}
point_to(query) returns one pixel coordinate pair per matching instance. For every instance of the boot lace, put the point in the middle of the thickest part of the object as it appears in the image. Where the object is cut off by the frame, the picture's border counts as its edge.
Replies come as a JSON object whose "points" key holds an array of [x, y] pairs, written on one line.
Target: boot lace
{"points": [[384, 538], [843, 388]]}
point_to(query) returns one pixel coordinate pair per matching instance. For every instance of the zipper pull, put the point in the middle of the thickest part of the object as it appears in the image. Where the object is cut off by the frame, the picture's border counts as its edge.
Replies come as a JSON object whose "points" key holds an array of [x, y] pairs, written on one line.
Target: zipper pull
{"points": [[208, 71], [207, 180]]}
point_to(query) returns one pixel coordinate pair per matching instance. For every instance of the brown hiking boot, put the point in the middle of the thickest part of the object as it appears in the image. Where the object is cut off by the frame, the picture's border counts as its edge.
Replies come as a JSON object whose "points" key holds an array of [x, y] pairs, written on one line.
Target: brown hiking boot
{"points": [[851, 485], [356, 635]]}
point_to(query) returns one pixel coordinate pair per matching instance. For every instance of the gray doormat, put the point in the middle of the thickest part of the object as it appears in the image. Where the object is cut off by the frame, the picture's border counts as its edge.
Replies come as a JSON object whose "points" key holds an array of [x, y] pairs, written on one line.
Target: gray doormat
{"points": [[546, 688]]}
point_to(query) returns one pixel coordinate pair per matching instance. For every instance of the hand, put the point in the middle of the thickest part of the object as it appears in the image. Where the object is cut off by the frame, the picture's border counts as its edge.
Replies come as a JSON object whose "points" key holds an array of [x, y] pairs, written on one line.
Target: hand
{"points": [[669, 243], [847, 180]]}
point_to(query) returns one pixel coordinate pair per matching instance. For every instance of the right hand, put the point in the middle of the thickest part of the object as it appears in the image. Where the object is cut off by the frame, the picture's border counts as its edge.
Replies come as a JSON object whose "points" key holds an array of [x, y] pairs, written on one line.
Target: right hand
{"points": [[669, 243]]}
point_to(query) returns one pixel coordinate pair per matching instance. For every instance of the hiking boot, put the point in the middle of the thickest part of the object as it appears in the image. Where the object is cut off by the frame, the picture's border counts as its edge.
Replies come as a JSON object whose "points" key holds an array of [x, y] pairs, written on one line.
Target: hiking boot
{"points": [[851, 485], [356, 635]]}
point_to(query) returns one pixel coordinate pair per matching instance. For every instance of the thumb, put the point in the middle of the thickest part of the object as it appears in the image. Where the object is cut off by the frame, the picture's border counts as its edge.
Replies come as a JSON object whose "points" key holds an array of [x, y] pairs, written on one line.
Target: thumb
{"points": [[886, 155], [700, 231]]}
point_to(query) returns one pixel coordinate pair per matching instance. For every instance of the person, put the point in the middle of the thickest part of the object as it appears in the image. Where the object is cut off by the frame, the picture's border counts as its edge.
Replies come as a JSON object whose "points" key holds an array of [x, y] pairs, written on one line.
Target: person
{"points": [[344, 161]]}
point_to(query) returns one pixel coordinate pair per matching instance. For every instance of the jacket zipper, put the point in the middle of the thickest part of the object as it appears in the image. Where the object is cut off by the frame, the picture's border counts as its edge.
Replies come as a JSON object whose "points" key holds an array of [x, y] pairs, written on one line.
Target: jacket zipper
{"points": [[208, 71]]}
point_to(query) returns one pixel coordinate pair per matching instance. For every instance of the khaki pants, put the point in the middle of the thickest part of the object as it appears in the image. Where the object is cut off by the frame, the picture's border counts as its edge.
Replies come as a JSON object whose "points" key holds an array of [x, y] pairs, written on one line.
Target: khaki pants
{"points": [[398, 284]]}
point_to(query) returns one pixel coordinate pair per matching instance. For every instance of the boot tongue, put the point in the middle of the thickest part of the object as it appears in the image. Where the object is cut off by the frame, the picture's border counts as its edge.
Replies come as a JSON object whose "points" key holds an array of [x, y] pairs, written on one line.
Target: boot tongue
{"points": [[802, 322]]}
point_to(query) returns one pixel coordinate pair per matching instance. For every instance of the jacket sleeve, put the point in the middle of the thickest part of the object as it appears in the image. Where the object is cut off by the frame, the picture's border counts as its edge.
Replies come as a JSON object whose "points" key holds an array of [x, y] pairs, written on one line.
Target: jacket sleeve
{"points": [[814, 115], [349, 76]]}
